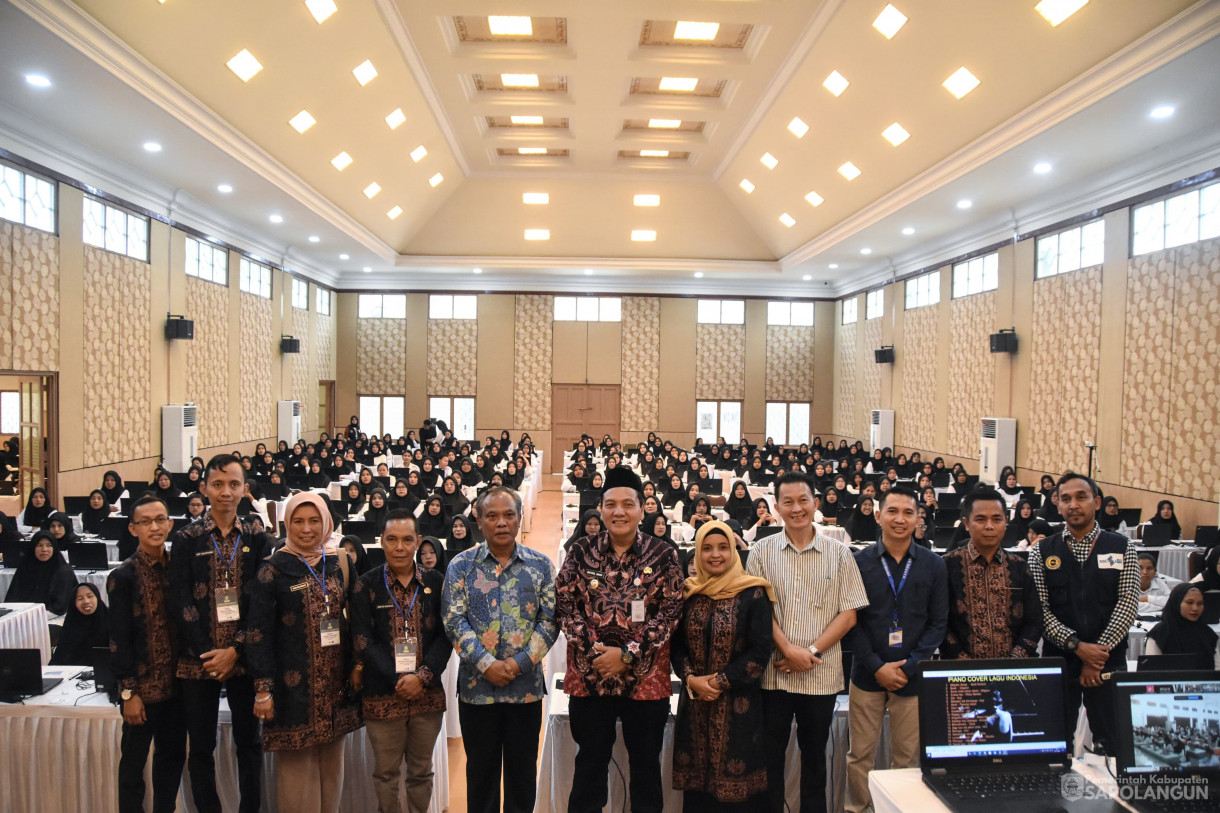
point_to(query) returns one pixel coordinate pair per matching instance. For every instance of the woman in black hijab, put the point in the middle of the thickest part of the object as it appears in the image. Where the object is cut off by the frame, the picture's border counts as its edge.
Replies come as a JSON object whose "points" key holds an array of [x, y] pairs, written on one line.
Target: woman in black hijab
{"points": [[37, 511], [356, 553], [85, 628], [1165, 516], [658, 525], [377, 510], [354, 499], [366, 481], [470, 477], [1008, 483], [276, 490], [961, 482], [1045, 487], [61, 527], [453, 498], [674, 493], [431, 553], [697, 511], [434, 521], [164, 488], [832, 506], [862, 525], [1181, 630], [1108, 517], [739, 506], [112, 487], [513, 475], [1022, 515], [401, 498], [590, 524], [43, 576], [463, 535], [95, 512], [317, 478], [761, 515], [758, 474], [416, 486], [428, 475]]}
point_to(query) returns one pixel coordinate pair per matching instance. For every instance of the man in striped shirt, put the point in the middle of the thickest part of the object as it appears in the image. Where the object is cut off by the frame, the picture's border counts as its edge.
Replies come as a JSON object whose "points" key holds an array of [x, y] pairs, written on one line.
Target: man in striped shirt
{"points": [[817, 590]]}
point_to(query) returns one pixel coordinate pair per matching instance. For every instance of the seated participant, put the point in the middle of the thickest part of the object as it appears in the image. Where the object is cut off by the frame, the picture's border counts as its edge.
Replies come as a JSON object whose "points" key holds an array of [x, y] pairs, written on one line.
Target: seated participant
{"points": [[37, 511], [196, 507], [112, 487], [1181, 630], [43, 576], [463, 535], [861, 525], [85, 628], [1108, 519], [95, 512], [434, 521], [61, 527], [590, 524], [1165, 516], [431, 553], [1154, 588]]}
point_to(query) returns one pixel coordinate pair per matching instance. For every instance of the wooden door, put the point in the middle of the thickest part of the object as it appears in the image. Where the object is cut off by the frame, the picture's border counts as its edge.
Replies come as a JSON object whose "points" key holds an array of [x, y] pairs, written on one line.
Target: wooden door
{"points": [[578, 409], [326, 407], [37, 416]]}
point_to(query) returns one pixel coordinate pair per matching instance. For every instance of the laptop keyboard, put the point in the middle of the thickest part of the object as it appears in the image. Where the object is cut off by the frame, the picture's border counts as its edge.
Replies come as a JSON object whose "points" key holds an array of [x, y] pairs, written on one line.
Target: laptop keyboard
{"points": [[991, 785]]}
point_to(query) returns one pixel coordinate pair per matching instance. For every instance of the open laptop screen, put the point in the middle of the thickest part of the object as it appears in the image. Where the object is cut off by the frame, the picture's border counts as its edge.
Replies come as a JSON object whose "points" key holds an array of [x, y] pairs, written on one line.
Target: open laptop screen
{"points": [[1168, 722], [992, 711]]}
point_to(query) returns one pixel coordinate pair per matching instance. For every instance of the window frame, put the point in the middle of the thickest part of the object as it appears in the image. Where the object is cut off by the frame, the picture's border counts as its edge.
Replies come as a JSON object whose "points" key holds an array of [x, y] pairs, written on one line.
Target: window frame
{"points": [[1084, 251], [603, 303], [437, 306], [914, 285], [26, 179], [381, 399], [323, 296], [780, 313], [718, 430], [17, 409], [874, 297], [851, 310], [785, 438], [448, 416], [109, 213], [985, 269], [215, 251], [381, 305], [245, 272], [702, 304], [300, 292], [1205, 225]]}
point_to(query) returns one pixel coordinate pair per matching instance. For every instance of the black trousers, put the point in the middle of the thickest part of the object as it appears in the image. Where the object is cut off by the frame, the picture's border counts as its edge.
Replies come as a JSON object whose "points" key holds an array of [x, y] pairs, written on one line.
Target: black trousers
{"points": [[814, 714], [1098, 700], [202, 699], [164, 725], [593, 723], [501, 736]]}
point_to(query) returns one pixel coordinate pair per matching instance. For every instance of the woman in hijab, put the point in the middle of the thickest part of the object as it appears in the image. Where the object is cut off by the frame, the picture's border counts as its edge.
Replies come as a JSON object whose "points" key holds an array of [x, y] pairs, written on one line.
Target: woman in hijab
{"points": [[112, 487], [831, 507], [463, 535], [37, 511], [658, 525], [401, 498], [356, 553], [513, 475], [674, 494], [376, 511], [60, 526], [355, 501], [590, 524], [762, 514], [652, 505], [923, 529], [1108, 518], [431, 553], [416, 486], [434, 521], [164, 488], [453, 498], [739, 506], [428, 475], [43, 576], [317, 478], [862, 526], [1165, 516], [758, 474], [700, 512], [1008, 483], [1181, 630], [85, 628], [1022, 515], [1046, 486], [367, 484], [302, 661], [470, 477], [95, 512], [275, 490], [720, 649]]}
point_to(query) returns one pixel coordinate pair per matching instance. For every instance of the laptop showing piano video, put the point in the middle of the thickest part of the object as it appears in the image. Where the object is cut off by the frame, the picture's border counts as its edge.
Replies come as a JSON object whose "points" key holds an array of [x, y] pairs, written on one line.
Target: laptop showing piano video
{"points": [[1168, 736], [992, 738]]}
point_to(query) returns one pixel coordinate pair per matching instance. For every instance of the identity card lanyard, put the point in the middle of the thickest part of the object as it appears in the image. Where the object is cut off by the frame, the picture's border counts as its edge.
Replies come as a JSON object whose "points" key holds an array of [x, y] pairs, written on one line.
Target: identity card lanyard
{"points": [[895, 630], [405, 646], [328, 627], [227, 607]]}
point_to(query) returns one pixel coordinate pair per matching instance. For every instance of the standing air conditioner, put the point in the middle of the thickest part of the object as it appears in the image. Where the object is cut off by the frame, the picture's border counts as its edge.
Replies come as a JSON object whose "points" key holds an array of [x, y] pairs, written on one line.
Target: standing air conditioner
{"points": [[289, 422], [179, 436], [881, 429], [997, 448]]}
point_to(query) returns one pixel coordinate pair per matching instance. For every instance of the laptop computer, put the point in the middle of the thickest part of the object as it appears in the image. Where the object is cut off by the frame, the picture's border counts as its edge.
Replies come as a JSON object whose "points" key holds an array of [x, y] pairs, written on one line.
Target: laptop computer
{"points": [[1130, 516], [1211, 607], [1167, 729], [1157, 536], [21, 675], [763, 531], [1207, 536], [992, 737], [1171, 663], [949, 499], [74, 506], [711, 486], [88, 556], [104, 680], [364, 531]]}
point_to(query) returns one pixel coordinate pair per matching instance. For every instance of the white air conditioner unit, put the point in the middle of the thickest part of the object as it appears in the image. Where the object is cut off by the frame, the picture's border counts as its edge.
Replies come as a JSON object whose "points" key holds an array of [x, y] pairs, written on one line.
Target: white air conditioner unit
{"points": [[997, 448], [179, 436], [881, 429], [289, 423]]}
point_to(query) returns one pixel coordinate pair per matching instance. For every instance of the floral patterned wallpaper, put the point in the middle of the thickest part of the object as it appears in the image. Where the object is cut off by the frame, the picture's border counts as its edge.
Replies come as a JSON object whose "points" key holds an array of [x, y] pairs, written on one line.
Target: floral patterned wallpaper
{"points": [[6, 292], [1056, 434], [870, 380], [720, 362], [845, 381], [453, 356], [1196, 373], [972, 378], [381, 364], [533, 365], [641, 406], [208, 370], [29, 288], [790, 362], [915, 418], [324, 330], [254, 366], [118, 367], [304, 364]]}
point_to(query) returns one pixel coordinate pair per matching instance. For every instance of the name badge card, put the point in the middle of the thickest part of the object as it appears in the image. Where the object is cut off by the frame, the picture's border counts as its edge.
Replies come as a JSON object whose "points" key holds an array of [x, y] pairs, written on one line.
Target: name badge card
{"points": [[227, 608], [895, 637], [637, 610], [329, 628], [405, 655]]}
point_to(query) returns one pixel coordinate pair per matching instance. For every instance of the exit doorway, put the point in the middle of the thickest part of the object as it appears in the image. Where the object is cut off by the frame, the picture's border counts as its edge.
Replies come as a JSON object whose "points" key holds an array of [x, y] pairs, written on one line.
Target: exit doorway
{"points": [[576, 409]]}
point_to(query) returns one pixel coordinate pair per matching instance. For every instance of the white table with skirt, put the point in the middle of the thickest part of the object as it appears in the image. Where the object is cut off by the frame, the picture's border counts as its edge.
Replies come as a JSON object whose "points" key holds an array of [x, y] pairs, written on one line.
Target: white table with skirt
{"points": [[95, 577], [25, 627]]}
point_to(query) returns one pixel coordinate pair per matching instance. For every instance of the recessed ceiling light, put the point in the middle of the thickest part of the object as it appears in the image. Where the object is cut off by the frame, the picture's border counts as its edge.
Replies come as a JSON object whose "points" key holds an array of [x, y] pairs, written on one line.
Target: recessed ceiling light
{"points": [[38, 80], [344, 257], [531, 151], [436, 179], [366, 269], [798, 128], [895, 134], [964, 203], [1042, 168], [787, 219], [647, 200], [678, 83], [537, 234], [302, 121], [525, 119], [276, 218], [476, 270], [807, 277], [224, 188], [961, 82], [698, 275], [1162, 112], [908, 231], [519, 80], [814, 198], [313, 238], [654, 153], [588, 272], [835, 83], [665, 124], [396, 118], [643, 235], [889, 21], [536, 198], [866, 251], [364, 72], [849, 171], [371, 190], [769, 160], [685, 30], [418, 153], [1056, 11], [152, 146], [833, 265], [510, 26], [746, 185], [393, 213], [244, 65], [341, 161], [321, 9]]}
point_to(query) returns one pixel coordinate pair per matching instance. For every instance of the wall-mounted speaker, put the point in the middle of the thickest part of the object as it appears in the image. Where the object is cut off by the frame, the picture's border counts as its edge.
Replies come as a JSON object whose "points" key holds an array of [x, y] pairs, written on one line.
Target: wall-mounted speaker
{"points": [[178, 328], [1004, 342], [884, 355], [288, 344]]}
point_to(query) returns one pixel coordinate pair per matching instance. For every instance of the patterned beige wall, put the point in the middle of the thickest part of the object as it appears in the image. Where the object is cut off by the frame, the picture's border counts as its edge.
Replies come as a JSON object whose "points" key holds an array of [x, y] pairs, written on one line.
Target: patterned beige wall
{"points": [[1063, 408], [845, 381], [790, 362], [324, 329], [304, 364], [972, 371], [453, 356], [533, 362], [381, 363], [118, 358], [208, 369], [1196, 373], [641, 404], [720, 362], [915, 421], [870, 379], [254, 365], [29, 288]]}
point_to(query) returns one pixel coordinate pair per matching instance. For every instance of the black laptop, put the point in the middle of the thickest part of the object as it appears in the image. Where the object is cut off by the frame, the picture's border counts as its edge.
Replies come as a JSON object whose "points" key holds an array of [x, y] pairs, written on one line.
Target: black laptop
{"points": [[104, 680], [88, 556], [763, 531], [1172, 663], [712, 486], [1167, 727], [1207, 536], [1156, 536], [366, 532], [75, 506], [992, 738], [21, 675], [1130, 516]]}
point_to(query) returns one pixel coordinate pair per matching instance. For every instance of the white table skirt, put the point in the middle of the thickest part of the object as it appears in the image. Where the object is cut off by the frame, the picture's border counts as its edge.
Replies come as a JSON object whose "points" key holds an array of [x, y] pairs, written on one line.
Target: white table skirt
{"points": [[61, 753], [26, 628], [95, 577]]}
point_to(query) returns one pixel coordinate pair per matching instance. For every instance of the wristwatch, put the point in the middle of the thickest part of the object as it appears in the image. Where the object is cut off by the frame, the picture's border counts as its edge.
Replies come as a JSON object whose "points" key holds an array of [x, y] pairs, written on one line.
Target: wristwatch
{"points": [[817, 653], [626, 657], [126, 694], [1072, 643]]}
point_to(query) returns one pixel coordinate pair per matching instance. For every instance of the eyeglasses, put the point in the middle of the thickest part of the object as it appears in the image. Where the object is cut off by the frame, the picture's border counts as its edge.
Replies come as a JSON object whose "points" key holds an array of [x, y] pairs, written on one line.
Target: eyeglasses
{"points": [[145, 523]]}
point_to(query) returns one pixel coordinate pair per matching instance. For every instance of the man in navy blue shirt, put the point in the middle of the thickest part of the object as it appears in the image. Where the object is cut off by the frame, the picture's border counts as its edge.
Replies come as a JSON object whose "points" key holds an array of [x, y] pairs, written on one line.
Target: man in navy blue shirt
{"points": [[904, 623]]}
